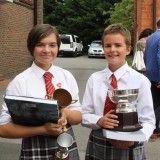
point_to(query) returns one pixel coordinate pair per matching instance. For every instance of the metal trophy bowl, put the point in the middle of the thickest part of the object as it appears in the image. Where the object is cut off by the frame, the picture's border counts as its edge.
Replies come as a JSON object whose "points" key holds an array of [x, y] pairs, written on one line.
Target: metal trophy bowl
{"points": [[63, 97], [127, 114], [64, 141]]}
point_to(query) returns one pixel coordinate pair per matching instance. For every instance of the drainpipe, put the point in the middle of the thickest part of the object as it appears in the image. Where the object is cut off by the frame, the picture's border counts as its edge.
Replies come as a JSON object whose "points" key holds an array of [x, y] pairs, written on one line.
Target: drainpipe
{"points": [[154, 15], [135, 22], [35, 12]]}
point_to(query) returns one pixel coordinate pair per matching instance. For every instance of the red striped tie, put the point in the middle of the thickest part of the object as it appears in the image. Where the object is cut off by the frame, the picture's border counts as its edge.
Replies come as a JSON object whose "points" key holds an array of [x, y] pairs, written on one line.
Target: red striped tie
{"points": [[49, 86], [109, 104]]}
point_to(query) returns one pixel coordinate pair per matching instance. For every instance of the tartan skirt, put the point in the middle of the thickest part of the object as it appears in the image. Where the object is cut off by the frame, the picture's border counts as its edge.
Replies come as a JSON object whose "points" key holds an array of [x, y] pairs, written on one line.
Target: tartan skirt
{"points": [[44, 147], [98, 148]]}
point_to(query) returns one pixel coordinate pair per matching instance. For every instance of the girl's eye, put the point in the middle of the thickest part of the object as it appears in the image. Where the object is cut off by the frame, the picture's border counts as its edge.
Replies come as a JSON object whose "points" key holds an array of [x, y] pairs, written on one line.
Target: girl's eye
{"points": [[118, 45], [40, 44], [53, 45], [107, 46]]}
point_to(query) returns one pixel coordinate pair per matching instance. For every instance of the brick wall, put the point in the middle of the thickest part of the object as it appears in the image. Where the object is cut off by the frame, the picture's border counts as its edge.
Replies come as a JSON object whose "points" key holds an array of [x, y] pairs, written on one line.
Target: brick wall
{"points": [[16, 20], [144, 17]]}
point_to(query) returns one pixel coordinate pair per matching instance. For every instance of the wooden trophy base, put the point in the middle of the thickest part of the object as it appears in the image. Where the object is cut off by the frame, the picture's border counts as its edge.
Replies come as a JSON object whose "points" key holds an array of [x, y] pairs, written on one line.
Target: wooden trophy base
{"points": [[128, 122]]}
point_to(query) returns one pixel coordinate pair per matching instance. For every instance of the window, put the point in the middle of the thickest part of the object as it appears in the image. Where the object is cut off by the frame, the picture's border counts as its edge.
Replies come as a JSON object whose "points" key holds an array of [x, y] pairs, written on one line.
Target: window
{"points": [[65, 39]]}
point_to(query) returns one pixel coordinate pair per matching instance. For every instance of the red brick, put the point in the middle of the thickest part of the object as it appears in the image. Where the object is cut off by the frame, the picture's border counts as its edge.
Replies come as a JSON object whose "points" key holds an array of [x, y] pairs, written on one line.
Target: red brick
{"points": [[144, 15], [16, 21]]}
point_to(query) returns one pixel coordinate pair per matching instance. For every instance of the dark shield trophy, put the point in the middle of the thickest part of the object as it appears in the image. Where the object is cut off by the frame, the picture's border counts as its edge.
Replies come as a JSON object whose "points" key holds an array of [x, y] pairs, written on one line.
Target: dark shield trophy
{"points": [[127, 114], [64, 141]]}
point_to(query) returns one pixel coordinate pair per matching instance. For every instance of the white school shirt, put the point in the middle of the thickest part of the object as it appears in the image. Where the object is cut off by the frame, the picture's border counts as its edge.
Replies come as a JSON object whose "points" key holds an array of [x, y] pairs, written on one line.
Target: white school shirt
{"points": [[96, 91], [31, 83]]}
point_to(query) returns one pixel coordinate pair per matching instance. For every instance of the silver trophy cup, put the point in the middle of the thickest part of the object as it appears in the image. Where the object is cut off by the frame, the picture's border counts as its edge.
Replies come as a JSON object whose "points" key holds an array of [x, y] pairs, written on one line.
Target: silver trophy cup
{"points": [[127, 114], [64, 141]]}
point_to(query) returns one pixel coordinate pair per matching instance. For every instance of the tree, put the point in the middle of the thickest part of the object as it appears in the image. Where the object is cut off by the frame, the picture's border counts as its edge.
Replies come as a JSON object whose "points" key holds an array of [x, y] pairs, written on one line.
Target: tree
{"points": [[85, 18], [123, 12]]}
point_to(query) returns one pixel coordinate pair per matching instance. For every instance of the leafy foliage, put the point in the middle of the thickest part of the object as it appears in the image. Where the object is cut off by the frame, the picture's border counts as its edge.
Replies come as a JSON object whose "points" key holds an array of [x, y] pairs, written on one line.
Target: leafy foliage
{"points": [[123, 12], [87, 18]]}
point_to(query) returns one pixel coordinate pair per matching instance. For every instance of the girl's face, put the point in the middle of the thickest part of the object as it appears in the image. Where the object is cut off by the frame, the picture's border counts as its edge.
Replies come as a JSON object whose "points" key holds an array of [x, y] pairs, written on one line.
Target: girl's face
{"points": [[115, 50], [46, 51]]}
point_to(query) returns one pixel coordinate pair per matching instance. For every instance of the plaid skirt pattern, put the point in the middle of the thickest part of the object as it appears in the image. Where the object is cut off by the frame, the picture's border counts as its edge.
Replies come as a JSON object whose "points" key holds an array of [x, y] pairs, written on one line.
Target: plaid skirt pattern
{"points": [[98, 148], [44, 147]]}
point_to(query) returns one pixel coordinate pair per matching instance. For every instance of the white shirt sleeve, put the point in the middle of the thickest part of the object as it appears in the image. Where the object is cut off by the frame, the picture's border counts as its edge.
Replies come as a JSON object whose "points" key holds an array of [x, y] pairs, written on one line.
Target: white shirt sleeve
{"points": [[145, 109], [5, 116], [89, 114], [11, 90]]}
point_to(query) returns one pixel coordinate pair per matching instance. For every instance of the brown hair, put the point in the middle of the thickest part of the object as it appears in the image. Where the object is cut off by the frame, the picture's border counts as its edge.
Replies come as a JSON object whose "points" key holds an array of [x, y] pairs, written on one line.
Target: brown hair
{"points": [[145, 33], [117, 28], [158, 23], [39, 32]]}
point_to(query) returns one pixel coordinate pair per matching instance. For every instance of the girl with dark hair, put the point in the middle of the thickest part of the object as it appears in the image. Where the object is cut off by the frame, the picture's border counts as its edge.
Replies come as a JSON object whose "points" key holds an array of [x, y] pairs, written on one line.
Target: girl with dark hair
{"points": [[40, 142], [138, 61]]}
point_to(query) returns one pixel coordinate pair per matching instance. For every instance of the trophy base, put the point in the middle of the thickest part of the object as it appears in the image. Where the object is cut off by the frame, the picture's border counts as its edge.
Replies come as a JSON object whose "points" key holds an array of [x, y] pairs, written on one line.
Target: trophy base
{"points": [[61, 155], [61, 158], [127, 128], [128, 122]]}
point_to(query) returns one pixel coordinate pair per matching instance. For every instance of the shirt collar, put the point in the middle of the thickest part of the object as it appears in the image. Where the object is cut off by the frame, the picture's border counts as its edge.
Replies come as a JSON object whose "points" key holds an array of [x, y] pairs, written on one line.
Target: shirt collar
{"points": [[39, 71], [118, 73]]}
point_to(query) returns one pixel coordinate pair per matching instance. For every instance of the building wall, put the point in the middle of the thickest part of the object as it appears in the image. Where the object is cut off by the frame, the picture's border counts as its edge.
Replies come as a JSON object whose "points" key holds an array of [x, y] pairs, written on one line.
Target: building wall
{"points": [[16, 20], [39, 12], [144, 15]]}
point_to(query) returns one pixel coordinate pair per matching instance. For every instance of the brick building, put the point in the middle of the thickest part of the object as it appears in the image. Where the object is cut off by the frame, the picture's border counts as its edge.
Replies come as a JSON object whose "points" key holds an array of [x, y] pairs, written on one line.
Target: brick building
{"points": [[17, 17], [146, 14]]}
